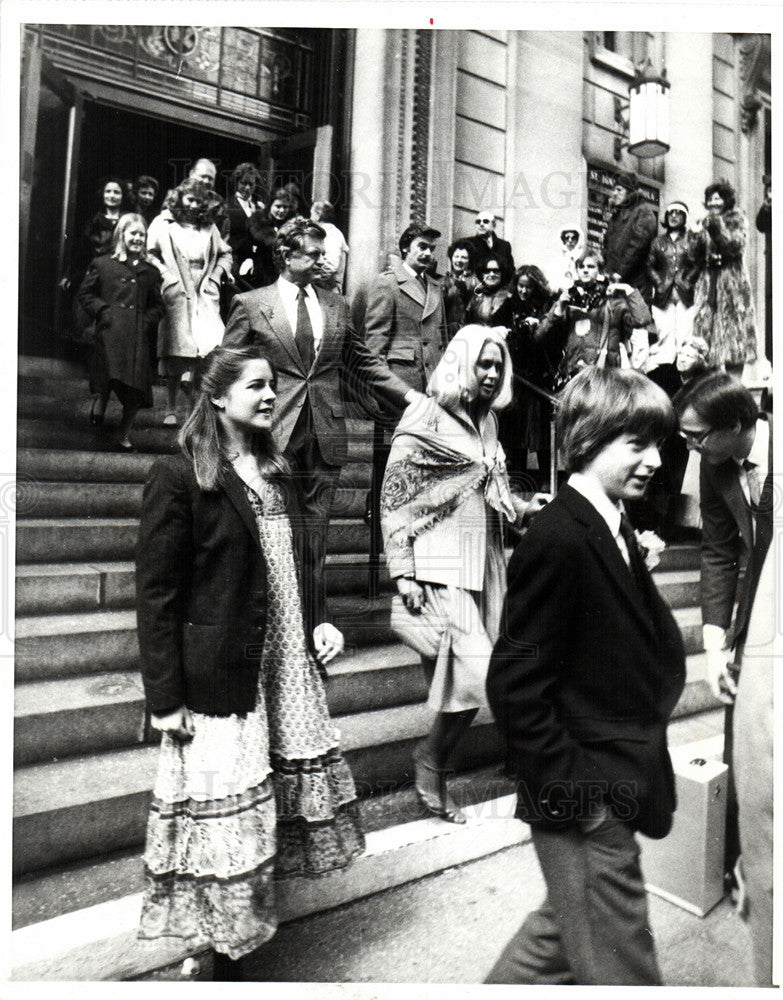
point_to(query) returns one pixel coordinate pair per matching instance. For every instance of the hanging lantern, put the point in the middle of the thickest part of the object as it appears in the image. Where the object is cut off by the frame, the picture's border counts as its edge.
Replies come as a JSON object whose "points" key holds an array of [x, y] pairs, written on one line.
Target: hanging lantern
{"points": [[648, 128]]}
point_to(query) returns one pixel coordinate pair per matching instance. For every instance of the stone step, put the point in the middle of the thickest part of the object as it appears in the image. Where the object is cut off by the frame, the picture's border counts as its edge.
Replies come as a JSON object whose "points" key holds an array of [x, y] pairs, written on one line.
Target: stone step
{"points": [[69, 402], [77, 885], [101, 499], [100, 942], [78, 921], [679, 588], [50, 646], [36, 465], [94, 804], [60, 588], [79, 435], [54, 719], [30, 365], [61, 539]]}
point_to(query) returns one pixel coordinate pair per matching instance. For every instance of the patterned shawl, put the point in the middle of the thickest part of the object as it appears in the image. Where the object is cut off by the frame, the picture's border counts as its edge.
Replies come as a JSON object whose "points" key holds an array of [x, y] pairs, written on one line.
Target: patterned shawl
{"points": [[426, 481]]}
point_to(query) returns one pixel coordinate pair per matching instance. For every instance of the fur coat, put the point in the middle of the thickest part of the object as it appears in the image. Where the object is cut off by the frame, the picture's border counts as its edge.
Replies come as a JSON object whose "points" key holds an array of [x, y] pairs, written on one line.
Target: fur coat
{"points": [[724, 314]]}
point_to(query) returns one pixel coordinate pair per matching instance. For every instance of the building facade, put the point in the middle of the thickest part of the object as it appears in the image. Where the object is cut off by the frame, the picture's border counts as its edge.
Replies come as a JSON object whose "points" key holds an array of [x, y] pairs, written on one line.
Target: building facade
{"points": [[389, 124]]}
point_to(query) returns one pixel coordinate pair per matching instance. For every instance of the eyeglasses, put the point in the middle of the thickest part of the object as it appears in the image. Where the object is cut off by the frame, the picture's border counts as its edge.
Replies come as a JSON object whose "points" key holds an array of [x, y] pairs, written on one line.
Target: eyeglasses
{"points": [[485, 221], [491, 270], [696, 438]]}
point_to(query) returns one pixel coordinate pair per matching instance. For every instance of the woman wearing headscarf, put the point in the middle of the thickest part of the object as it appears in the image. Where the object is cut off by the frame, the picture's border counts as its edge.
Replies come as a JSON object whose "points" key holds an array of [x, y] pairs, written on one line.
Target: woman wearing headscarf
{"points": [[723, 300], [562, 270], [444, 498]]}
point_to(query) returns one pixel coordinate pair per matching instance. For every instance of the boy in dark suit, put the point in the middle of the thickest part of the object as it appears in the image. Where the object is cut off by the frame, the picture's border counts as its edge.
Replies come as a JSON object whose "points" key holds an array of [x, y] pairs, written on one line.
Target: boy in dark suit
{"points": [[587, 671]]}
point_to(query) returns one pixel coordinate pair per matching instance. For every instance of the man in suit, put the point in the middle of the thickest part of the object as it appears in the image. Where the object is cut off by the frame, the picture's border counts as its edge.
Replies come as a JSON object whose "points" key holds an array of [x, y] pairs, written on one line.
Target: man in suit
{"points": [[307, 335], [486, 243], [719, 419], [405, 326], [582, 681]]}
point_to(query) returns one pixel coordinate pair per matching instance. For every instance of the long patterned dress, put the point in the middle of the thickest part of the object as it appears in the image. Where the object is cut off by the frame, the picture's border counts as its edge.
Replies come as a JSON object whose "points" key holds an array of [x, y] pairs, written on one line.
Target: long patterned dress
{"points": [[251, 798]]}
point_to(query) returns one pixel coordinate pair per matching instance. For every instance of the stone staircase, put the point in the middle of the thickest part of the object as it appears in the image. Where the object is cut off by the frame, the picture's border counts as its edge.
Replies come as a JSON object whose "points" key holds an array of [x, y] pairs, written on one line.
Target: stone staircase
{"points": [[83, 770]]}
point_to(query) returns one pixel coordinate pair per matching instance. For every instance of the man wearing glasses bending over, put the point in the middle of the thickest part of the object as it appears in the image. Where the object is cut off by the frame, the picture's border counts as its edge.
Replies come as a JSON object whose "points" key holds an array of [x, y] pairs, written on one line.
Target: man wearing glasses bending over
{"points": [[486, 243], [719, 419]]}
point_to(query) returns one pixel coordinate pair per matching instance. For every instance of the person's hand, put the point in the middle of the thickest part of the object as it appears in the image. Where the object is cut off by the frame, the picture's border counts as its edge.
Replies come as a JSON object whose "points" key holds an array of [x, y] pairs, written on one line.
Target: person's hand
{"points": [[178, 723], [411, 593], [329, 642], [618, 287], [527, 509], [719, 676], [64, 284], [246, 267]]}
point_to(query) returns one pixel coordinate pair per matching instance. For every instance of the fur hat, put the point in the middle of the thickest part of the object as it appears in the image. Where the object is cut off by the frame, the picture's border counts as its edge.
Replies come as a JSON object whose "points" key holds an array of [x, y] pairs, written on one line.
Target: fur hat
{"points": [[674, 206], [627, 179]]}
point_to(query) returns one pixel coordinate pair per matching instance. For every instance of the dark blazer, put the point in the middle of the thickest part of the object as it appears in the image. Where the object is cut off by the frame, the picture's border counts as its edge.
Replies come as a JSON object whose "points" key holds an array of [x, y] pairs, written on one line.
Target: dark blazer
{"points": [[728, 542], [500, 251], [669, 266], [405, 325], [259, 318], [585, 675], [239, 238], [200, 593]]}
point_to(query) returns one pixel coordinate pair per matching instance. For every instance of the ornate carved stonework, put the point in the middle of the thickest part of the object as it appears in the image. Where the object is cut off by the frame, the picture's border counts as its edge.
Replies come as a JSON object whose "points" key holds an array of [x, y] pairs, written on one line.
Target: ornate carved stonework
{"points": [[753, 53], [402, 158], [420, 139]]}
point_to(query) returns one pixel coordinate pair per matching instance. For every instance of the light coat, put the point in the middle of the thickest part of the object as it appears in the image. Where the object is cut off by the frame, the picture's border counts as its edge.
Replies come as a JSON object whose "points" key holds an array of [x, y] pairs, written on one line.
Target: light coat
{"points": [[180, 295], [405, 325]]}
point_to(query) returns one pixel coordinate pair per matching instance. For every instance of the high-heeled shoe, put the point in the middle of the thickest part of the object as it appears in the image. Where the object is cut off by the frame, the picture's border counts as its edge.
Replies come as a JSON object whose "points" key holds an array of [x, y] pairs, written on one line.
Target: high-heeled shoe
{"points": [[437, 802]]}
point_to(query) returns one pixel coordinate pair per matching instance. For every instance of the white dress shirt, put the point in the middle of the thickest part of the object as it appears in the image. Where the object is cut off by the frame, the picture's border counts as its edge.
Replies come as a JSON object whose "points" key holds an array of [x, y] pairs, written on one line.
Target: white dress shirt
{"points": [[610, 512], [289, 293]]}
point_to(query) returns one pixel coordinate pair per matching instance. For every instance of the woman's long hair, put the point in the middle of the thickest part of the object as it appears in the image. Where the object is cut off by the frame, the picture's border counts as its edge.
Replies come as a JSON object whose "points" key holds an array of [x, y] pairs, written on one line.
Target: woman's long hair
{"points": [[542, 293], [118, 244], [454, 383], [201, 438], [124, 205], [197, 189]]}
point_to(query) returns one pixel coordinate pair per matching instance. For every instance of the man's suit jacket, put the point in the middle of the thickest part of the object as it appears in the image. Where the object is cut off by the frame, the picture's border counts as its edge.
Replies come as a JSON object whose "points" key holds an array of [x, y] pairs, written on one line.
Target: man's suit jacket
{"points": [[259, 318], [501, 252], [728, 540], [405, 325], [585, 675]]}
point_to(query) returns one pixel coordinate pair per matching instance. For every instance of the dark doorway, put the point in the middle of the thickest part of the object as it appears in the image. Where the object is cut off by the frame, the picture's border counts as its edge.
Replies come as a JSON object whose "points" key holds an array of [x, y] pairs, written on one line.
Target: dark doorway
{"points": [[112, 141]]}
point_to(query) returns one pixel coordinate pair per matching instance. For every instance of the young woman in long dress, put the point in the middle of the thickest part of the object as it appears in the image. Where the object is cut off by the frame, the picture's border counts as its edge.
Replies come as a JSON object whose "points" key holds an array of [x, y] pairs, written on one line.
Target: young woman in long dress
{"points": [[251, 784]]}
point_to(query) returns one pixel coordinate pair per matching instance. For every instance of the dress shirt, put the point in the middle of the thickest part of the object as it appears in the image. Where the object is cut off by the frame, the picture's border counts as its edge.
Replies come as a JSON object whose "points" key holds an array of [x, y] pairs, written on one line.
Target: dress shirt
{"points": [[288, 293], [609, 511], [757, 457], [248, 207]]}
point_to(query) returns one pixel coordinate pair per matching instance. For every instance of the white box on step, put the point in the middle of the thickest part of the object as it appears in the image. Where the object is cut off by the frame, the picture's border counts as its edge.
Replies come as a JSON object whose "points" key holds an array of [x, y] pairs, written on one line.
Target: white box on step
{"points": [[686, 867]]}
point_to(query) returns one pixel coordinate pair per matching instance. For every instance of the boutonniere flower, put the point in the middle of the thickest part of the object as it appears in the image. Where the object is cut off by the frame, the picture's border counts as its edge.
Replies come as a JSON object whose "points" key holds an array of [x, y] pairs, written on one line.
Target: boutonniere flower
{"points": [[651, 546]]}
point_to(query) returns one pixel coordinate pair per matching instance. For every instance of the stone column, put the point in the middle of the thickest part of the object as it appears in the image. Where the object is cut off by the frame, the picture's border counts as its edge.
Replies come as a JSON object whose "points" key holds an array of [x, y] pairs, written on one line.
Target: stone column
{"points": [[374, 138], [544, 173], [688, 163]]}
